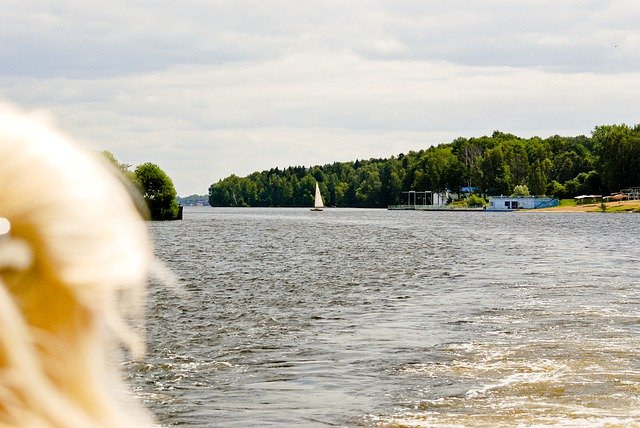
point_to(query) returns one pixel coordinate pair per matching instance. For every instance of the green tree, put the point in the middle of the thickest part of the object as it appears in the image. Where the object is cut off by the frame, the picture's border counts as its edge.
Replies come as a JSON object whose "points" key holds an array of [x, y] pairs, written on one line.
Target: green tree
{"points": [[230, 192], [603, 206], [158, 191], [441, 166], [556, 189], [619, 153], [438, 169], [518, 160], [572, 187], [566, 165], [124, 168], [496, 177], [475, 201], [391, 183], [368, 190], [538, 176], [591, 182], [469, 153], [305, 194], [521, 190]]}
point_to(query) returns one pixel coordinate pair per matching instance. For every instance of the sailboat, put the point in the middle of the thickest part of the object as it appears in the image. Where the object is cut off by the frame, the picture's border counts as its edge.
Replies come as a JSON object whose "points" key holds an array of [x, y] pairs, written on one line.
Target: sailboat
{"points": [[318, 204]]}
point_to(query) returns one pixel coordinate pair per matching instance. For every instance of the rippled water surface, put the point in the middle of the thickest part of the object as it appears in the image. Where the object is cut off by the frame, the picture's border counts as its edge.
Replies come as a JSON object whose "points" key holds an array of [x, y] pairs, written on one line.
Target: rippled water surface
{"points": [[374, 317]]}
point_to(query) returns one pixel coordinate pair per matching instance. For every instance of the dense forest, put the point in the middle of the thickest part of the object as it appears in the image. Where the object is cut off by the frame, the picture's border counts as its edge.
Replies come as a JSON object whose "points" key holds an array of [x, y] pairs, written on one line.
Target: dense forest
{"points": [[605, 162]]}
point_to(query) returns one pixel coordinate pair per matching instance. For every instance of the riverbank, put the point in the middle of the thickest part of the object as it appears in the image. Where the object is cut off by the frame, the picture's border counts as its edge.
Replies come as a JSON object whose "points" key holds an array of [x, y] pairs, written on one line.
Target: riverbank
{"points": [[617, 206]]}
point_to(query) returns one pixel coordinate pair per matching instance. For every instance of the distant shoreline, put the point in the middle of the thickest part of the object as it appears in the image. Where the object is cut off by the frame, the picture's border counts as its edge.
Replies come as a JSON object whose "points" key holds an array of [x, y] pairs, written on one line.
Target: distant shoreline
{"points": [[613, 207]]}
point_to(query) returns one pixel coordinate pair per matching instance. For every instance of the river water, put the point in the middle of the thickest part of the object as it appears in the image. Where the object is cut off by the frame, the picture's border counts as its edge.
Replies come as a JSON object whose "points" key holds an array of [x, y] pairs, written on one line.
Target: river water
{"points": [[372, 317]]}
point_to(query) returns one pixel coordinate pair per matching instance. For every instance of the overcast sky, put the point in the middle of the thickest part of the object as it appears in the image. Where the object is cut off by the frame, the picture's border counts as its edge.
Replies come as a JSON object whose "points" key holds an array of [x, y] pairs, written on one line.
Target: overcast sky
{"points": [[206, 89]]}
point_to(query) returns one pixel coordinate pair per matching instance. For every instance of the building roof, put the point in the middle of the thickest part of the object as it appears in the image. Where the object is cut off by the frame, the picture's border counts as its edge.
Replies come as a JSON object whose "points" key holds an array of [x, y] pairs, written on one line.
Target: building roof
{"points": [[587, 196]]}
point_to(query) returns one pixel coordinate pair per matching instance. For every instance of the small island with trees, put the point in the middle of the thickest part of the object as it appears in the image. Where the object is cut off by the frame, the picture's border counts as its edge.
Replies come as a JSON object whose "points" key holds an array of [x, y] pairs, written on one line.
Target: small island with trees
{"points": [[500, 164], [155, 187]]}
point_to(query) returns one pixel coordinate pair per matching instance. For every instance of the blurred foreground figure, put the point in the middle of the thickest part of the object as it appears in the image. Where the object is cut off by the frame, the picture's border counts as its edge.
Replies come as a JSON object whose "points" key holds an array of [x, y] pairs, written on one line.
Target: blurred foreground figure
{"points": [[73, 248]]}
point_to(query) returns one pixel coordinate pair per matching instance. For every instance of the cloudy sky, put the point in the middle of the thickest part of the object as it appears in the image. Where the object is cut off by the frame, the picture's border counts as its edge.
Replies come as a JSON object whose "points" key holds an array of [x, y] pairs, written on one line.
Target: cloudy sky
{"points": [[206, 89]]}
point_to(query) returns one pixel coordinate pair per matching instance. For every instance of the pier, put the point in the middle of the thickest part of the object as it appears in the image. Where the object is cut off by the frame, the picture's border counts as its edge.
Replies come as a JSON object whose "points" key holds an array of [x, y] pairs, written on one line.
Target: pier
{"points": [[424, 201], [431, 208]]}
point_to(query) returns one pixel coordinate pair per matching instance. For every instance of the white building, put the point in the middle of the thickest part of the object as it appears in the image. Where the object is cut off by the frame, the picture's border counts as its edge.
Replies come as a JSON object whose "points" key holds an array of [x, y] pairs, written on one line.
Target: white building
{"points": [[510, 203]]}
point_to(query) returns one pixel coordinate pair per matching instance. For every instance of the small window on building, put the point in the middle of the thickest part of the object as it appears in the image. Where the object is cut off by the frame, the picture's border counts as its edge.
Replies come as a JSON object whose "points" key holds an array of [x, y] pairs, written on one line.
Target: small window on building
{"points": [[507, 204]]}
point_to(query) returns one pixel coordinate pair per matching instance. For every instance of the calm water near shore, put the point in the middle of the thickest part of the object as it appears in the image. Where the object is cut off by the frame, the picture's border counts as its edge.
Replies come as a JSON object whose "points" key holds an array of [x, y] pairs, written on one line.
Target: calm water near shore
{"points": [[369, 317]]}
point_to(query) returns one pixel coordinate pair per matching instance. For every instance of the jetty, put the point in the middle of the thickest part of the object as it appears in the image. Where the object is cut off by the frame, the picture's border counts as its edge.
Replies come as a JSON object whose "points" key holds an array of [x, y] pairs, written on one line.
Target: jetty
{"points": [[432, 208], [427, 200]]}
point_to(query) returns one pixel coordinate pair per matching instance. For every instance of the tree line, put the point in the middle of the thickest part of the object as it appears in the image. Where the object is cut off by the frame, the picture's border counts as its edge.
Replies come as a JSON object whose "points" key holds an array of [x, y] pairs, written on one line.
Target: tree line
{"points": [[606, 161]]}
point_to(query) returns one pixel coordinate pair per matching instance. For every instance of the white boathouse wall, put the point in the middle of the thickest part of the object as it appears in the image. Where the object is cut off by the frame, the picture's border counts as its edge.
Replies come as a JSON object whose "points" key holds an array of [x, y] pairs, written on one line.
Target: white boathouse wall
{"points": [[509, 203]]}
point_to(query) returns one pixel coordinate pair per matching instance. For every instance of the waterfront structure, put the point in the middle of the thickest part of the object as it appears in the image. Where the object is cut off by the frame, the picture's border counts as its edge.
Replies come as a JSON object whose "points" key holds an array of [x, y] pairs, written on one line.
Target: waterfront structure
{"points": [[510, 203], [632, 193], [423, 200]]}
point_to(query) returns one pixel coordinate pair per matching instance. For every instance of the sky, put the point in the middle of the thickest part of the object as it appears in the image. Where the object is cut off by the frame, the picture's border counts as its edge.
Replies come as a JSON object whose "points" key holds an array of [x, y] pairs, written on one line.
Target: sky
{"points": [[206, 89]]}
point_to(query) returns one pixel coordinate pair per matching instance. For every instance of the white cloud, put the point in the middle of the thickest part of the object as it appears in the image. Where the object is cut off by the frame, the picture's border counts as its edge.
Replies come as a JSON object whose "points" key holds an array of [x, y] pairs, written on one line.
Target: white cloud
{"points": [[206, 89]]}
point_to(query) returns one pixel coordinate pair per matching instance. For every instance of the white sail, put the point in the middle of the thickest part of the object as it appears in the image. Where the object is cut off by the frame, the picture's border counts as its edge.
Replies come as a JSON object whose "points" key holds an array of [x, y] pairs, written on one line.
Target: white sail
{"points": [[318, 203]]}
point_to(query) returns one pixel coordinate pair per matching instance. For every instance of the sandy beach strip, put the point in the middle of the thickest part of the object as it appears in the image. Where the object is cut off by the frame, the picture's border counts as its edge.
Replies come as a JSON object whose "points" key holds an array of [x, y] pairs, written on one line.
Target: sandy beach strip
{"points": [[617, 206]]}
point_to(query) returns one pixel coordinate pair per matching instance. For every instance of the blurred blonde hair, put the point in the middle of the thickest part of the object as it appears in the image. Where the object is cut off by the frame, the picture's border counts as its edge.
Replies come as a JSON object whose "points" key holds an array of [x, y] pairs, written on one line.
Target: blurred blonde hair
{"points": [[77, 248]]}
